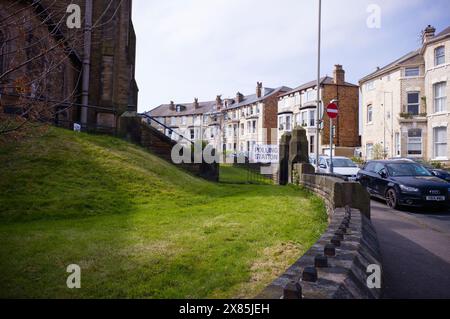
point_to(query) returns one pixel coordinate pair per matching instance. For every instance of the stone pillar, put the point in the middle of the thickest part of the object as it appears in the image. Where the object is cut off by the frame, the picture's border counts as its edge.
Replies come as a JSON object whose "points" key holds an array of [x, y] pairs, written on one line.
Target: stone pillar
{"points": [[130, 127], [298, 150], [284, 159]]}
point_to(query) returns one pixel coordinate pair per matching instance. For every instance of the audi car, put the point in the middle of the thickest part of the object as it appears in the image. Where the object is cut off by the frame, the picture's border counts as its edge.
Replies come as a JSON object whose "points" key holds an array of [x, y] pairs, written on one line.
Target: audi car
{"points": [[441, 173], [404, 183]]}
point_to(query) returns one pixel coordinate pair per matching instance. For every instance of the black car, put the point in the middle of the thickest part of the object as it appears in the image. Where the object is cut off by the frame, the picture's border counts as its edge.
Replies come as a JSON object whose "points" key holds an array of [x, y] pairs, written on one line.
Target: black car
{"points": [[441, 173], [404, 183]]}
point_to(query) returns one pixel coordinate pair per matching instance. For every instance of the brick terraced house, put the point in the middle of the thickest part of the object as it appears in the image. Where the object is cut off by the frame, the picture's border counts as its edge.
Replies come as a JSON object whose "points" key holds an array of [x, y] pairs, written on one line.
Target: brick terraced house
{"points": [[405, 106], [298, 107], [232, 125]]}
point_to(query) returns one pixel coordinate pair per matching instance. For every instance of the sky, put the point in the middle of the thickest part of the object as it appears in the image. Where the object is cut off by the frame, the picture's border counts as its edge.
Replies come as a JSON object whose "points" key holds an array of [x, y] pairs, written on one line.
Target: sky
{"points": [[205, 48]]}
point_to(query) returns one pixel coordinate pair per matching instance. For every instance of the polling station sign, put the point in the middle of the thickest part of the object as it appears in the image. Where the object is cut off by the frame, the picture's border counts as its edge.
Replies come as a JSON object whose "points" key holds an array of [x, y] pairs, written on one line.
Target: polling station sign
{"points": [[266, 154]]}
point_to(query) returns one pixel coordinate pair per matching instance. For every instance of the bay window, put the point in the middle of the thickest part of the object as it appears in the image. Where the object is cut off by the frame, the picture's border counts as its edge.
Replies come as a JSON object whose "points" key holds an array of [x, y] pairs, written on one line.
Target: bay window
{"points": [[440, 97], [440, 142], [312, 118], [415, 142]]}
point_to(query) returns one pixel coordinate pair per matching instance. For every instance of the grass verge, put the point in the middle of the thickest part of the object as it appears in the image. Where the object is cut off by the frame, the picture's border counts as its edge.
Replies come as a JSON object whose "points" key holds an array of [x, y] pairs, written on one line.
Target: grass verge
{"points": [[138, 226]]}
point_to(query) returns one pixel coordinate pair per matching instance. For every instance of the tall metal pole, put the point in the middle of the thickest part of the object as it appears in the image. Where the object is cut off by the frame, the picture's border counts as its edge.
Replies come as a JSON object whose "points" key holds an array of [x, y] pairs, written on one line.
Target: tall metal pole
{"points": [[86, 63], [318, 87], [331, 147]]}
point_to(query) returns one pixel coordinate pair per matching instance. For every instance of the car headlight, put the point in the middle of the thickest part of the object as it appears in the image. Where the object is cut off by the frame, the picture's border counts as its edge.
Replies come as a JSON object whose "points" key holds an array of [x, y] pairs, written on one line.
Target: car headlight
{"points": [[408, 189]]}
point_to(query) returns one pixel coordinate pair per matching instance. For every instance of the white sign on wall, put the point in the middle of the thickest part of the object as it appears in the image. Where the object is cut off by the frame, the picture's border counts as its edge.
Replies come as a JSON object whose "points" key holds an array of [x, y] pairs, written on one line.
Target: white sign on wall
{"points": [[77, 127], [266, 154]]}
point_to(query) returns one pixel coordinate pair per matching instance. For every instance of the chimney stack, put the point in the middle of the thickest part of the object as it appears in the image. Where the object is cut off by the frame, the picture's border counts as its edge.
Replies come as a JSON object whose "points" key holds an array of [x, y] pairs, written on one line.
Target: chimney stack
{"points": [[239, 97], [339, 75], [172, 106], [196, 104], [219, 102], [258, 89], [428, 34]]}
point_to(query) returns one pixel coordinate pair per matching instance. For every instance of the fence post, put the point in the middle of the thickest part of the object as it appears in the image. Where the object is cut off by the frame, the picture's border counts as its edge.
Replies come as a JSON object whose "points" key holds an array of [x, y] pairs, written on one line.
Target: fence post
{"points": [[298, 150], [284, 158]]}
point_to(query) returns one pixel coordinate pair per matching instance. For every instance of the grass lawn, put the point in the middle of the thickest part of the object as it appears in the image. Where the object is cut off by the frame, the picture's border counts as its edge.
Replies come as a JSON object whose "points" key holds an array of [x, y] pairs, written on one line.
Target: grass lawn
{"points": [[236, 175], [137, 226]]}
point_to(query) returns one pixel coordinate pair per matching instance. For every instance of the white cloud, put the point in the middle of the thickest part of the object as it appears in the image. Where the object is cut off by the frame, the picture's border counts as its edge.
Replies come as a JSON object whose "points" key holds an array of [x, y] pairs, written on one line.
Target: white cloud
{"points": [[199, 48]]}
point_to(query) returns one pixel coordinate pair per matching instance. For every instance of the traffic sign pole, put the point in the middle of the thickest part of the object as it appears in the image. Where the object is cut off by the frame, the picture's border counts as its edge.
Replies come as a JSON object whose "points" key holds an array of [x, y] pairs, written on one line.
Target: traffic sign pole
{"points": [[331, 147], [332, 111]]}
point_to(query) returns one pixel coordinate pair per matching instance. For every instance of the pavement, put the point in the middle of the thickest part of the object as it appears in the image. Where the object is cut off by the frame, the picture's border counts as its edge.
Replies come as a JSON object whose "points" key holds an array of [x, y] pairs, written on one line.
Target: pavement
{"points": [[415, 248]]}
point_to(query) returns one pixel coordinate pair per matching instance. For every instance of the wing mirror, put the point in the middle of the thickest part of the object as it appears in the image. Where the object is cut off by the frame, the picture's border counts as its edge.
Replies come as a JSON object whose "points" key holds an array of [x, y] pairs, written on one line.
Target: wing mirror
{"points": [[383, 174]]}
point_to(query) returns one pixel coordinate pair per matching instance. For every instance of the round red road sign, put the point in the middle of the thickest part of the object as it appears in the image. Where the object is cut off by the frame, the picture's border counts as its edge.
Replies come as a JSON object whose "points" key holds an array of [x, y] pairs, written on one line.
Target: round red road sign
{"points": [[332, 110]]}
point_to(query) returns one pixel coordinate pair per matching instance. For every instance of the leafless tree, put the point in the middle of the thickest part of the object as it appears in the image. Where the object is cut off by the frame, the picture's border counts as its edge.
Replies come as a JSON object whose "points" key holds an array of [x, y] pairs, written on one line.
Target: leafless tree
{"points": [[40, 68]]}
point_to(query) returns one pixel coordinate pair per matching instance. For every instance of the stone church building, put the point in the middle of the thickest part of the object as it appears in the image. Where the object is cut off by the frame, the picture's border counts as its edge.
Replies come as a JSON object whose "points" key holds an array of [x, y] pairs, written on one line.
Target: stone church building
{"points": [[83, 75]]}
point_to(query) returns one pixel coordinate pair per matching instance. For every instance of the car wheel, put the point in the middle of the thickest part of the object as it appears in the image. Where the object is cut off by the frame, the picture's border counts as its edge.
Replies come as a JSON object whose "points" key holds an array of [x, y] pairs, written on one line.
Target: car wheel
{"points": [[391, 199]]}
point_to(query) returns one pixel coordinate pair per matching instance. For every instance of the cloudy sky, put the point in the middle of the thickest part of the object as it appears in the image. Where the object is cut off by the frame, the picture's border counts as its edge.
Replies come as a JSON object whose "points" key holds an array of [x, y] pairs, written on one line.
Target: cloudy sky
{"points": [[202, 48]]}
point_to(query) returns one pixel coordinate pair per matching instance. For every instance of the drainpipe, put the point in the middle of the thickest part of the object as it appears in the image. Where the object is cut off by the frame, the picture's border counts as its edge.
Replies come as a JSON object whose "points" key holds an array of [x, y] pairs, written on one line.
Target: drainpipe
{"points": [[86, 63]]}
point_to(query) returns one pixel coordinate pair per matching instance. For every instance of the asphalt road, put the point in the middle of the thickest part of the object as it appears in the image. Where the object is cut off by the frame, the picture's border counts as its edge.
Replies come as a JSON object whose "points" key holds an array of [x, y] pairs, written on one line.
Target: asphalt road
{"points": [[415, 247]]}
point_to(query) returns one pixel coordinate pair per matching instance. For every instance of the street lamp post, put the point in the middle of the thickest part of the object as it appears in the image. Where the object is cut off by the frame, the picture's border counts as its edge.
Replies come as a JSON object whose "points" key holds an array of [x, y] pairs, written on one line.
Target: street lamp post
{"points": [[318, 86]]}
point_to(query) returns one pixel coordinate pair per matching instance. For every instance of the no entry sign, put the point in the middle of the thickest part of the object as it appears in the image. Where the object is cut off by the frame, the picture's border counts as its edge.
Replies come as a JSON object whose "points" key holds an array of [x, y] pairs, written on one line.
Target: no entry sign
{"points": [[332, 111]]}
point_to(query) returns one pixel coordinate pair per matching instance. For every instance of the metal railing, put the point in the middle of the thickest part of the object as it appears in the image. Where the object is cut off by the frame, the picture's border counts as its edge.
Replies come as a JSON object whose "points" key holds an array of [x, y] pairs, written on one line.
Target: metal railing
{"points": [[171, 130]]}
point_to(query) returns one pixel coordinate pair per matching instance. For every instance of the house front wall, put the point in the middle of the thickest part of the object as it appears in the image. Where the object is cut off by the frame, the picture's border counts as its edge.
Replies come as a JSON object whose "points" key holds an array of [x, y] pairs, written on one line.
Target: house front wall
{"points": [[381, 99], [437, 119], [299, 110]]}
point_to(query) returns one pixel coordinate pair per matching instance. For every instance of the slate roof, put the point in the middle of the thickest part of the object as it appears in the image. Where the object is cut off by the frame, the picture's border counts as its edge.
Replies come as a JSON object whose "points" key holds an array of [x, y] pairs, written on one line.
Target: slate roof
{"points": [[397, 63], [443, 32], [391, 65], [164, 109], [326, 80], [210, 106]]}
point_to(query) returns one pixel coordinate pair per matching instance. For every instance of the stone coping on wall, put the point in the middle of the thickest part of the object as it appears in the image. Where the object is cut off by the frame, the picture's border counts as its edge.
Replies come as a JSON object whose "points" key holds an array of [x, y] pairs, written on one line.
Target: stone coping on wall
{"points": [[336, 267]]}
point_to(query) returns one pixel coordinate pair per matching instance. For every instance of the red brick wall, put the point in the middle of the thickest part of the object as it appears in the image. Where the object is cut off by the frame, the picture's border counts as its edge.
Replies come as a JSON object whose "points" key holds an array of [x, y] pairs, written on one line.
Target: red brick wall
{"points": [[347, 124], [270, 120]]}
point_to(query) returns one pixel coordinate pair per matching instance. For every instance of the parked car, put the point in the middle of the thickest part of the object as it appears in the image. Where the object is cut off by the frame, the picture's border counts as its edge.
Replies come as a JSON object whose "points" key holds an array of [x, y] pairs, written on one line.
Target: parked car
{"points": [[312, 160], [441, 173], [341, 166], [404, 183]]}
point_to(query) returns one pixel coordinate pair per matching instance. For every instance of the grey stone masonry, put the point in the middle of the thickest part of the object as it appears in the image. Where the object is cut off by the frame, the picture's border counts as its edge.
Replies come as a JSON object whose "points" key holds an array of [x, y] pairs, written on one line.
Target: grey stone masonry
{"points": [[336, 266]]}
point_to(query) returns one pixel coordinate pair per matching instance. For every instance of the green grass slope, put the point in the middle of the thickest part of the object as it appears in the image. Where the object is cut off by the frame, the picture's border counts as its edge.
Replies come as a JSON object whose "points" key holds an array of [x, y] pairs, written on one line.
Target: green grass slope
{"points": [[137, 226]]}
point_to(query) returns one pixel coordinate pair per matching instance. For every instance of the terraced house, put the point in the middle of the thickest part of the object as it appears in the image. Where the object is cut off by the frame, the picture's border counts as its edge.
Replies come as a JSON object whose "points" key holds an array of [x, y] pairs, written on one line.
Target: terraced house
{"points": [[405, 106], [232, 125], [298, 107]]}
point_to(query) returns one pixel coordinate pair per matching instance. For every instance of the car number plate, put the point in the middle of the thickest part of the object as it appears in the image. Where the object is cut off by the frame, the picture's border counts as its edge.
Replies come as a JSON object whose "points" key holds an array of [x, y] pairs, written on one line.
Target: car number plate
{"points": [[436, 198]]}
